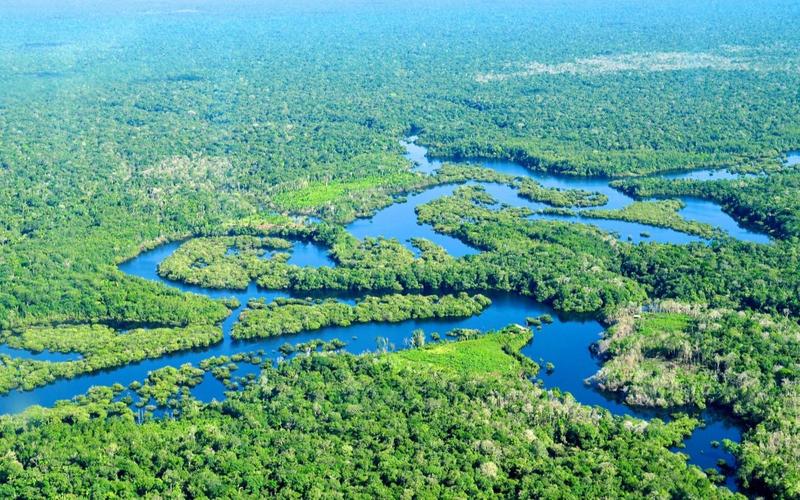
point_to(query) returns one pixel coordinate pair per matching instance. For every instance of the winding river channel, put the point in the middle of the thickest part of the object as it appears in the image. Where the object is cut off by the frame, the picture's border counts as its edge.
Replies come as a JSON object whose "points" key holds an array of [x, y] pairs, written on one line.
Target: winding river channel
{"points": [[565, 342]]}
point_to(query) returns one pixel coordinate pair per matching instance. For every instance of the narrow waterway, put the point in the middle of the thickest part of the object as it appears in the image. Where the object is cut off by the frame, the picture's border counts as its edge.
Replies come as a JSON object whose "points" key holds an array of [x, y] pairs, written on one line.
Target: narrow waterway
{"points": [[564, 343], [695, 209]]}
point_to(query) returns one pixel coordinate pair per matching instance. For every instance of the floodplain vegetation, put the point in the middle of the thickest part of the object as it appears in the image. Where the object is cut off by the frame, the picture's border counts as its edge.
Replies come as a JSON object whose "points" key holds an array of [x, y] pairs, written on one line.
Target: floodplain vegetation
{"points": [[109, 148], [282, 317], [97, 347], [676, 354], [662, 213], [269, 439]]}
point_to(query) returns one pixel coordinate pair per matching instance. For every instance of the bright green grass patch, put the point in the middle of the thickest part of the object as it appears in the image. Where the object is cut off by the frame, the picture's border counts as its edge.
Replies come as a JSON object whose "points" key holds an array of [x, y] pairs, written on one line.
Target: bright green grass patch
{"points": [[663, 331], [489, 354], [320, 193], [385, 171], [663, 322]]}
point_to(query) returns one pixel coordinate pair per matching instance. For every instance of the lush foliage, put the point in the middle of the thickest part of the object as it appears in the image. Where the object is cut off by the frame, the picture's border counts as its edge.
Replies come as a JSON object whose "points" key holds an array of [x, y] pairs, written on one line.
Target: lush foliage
{"points": [[221, 262], [293, 316], [663, 213], [769, 203], [125, 126], [135, 149], [525, 186], [576, 268], [677, 355], [494, 432], [100, 348], [728, 274]]}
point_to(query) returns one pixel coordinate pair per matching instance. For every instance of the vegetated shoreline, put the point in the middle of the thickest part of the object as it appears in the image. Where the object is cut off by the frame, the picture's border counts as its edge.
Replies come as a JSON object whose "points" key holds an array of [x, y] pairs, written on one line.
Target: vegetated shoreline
{"points": [[666, 412], [154, 244]]}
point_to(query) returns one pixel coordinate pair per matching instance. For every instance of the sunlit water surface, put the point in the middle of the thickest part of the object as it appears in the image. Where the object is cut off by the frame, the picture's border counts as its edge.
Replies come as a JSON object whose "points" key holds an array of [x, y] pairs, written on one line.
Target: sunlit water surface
{"points": [[564, 343]]}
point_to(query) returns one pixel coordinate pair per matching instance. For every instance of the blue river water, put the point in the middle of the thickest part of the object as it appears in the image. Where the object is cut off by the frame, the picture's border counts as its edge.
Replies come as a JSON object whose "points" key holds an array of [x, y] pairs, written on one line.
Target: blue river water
{"points": [[6, 350], [565, 343], [694, 210]]}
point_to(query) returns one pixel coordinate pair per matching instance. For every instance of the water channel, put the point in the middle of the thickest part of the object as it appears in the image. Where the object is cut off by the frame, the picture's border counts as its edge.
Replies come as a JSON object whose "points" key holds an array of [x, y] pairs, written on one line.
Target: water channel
{"points": [[565, 342]]}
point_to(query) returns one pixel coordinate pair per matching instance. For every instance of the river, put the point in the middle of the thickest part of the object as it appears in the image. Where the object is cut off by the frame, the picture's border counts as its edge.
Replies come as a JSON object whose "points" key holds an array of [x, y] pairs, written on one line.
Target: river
{"points": [[565, 342]]}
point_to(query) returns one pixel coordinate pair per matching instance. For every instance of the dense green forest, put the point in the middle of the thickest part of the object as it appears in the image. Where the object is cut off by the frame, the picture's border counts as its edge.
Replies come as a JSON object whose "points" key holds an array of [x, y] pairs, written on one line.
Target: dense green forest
{"points": [[678, 354], [526, 257], [434, 420], [282, 317], [243, 128], [767, 202], [100, 347], [142, 144]]}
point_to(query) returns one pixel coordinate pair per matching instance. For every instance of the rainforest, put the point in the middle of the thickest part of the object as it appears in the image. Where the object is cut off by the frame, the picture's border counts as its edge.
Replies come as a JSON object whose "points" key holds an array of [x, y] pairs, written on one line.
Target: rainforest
{"points": [[356, 249]]}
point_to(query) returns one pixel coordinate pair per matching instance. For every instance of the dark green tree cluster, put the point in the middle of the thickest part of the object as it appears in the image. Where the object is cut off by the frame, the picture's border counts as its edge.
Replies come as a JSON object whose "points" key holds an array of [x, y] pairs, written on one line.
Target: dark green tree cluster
{"points": [[100, 347], [769, 203], [676, 354], [286, 316], [356, 425], [724, 273]]}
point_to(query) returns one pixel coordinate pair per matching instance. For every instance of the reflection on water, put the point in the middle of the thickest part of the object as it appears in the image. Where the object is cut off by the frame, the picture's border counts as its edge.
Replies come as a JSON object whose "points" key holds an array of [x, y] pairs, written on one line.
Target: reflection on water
{"points": [[306, 253], [695, 209], [419, 156], [564, 343], [6, 350]]}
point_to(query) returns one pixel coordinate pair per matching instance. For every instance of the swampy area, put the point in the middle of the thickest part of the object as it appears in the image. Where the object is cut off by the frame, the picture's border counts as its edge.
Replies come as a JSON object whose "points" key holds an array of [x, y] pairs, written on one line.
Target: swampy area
{"points": [[397, 250]]}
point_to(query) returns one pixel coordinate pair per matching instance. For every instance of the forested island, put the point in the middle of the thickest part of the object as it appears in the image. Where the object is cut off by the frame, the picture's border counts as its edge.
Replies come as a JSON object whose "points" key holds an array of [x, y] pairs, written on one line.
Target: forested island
{"points": [[406, 249]]}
